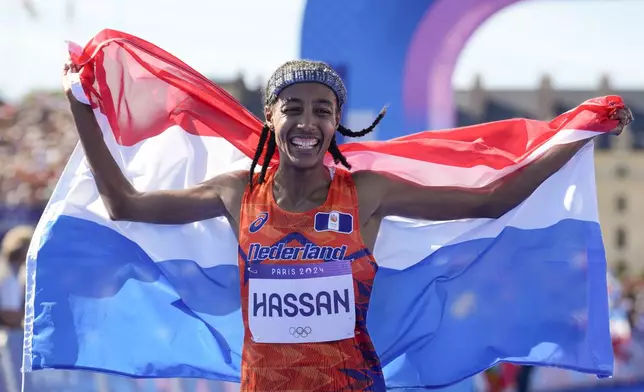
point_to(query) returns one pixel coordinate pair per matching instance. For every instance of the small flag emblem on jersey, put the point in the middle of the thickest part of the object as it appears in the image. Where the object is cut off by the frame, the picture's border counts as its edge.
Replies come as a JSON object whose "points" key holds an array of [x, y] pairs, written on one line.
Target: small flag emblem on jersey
{"points": [[334, 221]]}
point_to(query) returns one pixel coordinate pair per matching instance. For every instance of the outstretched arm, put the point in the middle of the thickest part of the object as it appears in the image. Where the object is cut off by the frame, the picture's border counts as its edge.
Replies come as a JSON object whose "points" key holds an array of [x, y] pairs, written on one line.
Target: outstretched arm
{"points": [[384, 195], [124, 202], [404, 198]]}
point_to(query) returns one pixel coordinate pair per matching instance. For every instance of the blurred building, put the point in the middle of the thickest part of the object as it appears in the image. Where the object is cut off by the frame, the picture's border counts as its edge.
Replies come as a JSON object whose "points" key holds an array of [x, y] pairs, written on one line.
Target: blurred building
{"points": [[250, 98], [619, 160]]}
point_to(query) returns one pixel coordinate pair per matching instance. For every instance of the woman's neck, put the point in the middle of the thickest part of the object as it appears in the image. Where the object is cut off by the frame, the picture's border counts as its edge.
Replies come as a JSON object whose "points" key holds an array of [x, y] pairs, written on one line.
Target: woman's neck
{"points": [[301, 189]]}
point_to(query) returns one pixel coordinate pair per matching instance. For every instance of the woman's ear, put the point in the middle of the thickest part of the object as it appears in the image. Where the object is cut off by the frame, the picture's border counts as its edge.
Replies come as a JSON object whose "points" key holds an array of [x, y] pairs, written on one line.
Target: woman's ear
{"points": [[268, 115]]}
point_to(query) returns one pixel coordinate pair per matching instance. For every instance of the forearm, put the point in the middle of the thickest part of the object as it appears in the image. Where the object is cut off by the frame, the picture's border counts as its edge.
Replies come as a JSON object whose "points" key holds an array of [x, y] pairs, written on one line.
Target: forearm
{"points": [[508, 193], [112, 185]]}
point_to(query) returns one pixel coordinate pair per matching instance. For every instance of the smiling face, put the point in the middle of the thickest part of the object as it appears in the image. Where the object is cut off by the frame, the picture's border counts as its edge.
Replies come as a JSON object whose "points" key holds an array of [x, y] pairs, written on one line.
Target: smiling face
{"points": [[304, 119]]}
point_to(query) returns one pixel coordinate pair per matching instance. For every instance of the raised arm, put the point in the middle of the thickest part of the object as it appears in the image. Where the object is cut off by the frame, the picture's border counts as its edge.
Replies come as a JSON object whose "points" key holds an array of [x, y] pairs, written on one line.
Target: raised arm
{"points": [[123, 202], [384, 195]]}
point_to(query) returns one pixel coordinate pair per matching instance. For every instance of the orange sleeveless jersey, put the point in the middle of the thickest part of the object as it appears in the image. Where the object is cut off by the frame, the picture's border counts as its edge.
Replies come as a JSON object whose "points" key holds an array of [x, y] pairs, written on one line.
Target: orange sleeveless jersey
{"points": [[349, 364]]}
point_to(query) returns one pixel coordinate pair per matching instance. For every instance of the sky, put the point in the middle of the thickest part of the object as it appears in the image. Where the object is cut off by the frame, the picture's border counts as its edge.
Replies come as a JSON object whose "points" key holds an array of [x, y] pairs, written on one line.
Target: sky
{"points": [[575, 41]]}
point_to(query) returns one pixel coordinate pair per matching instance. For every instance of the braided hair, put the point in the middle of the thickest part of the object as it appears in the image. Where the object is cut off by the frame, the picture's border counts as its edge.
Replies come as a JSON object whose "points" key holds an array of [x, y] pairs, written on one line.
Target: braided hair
{"points": [[334, 150], [295, 72]]}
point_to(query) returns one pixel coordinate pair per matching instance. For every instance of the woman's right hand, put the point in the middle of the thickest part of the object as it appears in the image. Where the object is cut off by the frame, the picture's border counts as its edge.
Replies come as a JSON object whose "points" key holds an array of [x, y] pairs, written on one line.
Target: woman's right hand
{"points": [[68, 69]]}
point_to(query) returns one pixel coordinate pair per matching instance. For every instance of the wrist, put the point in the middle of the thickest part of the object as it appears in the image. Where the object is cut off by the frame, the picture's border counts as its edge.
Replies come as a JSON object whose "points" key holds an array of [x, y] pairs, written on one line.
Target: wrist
{"points": [[76, 91], [75, 104]]}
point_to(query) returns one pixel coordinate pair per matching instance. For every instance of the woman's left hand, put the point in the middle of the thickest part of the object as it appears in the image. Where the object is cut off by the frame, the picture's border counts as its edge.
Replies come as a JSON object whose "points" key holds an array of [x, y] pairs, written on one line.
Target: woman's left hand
{"points": [[625, 117]]}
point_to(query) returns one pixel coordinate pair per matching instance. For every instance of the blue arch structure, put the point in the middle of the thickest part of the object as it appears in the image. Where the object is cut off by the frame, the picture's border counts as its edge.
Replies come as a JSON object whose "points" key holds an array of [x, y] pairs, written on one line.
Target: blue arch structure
{"points": [[400, 53]]}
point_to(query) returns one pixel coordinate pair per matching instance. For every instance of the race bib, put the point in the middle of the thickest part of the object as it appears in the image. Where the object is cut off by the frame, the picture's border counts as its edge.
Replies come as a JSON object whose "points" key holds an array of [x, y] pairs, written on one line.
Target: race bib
{"points": [[302, 303]]}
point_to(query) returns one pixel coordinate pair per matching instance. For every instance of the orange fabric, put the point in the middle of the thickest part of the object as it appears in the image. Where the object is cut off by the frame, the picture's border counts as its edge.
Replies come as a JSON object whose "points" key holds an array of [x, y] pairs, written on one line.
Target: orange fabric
{"points": [[350, 364]]}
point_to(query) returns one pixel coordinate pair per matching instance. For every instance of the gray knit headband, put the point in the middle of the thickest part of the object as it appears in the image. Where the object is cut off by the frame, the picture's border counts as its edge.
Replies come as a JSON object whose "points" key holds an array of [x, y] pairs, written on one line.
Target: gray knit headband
{"points": [[304, 71]]}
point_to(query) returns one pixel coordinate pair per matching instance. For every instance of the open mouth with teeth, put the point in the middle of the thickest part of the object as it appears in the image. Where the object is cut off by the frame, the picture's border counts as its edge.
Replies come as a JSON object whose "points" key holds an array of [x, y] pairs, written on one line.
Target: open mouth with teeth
{"points": [[304, 143]]}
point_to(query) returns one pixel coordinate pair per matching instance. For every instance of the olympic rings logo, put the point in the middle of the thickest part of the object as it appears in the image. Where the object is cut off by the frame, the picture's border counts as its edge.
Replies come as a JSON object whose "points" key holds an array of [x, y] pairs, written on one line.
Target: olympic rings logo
{"points": [[300, 332]]}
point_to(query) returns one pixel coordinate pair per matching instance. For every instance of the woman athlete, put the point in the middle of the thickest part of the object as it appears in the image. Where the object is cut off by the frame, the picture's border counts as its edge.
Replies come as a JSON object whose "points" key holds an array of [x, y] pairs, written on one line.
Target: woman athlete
{"points": [[300, 213]]}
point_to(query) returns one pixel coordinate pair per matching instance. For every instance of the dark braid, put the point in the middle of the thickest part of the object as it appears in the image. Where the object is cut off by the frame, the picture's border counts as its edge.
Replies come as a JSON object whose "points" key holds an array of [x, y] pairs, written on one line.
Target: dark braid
{"points": [[270, 150], [334, 150], [349, 133], [258, 152]]}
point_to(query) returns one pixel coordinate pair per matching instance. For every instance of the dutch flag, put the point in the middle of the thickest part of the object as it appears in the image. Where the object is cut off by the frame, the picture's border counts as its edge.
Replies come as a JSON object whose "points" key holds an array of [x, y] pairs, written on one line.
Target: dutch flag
{"points": [[450, 298]]}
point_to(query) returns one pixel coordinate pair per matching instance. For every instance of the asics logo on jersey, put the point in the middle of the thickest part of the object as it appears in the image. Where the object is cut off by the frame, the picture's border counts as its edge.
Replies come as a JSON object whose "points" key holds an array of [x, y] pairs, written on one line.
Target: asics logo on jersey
{"points": [[258, 223], [257, 252]]}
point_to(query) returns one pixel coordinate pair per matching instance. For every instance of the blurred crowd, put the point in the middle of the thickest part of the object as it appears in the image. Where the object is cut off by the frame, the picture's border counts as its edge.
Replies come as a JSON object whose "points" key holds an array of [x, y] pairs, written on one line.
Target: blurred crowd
{"points": [[37, 137]]}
